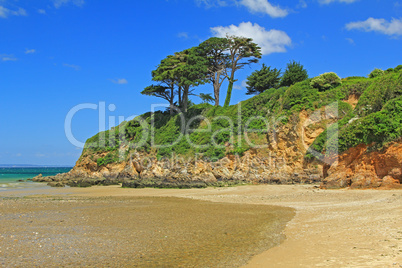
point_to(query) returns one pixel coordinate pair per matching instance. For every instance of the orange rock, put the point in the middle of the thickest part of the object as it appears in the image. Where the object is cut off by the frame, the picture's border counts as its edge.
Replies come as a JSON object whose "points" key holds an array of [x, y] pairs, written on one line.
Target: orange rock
{"points": [[359, 168], [390, 182]]}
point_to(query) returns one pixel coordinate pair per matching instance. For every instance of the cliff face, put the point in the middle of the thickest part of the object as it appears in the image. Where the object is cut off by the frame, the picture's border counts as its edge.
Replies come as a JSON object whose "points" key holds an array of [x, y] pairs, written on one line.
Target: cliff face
{"points": [[362, 168], [303, 131], [281, 162]]}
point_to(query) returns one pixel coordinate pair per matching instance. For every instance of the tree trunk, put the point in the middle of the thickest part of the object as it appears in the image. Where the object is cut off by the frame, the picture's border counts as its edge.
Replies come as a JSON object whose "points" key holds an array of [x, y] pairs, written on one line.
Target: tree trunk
{"points": [[171, 102], [216, 92], [230, 88], [185, 98], [217, 86], [180, 98], [171, 108]]}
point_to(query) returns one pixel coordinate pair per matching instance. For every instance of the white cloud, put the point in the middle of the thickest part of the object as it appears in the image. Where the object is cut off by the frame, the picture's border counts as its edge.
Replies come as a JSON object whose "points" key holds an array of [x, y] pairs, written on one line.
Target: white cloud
{"points": [[302, 4], [6, 57], [240, 87], [30, 51], [394, 27], [120, 81], [73, 66], [212, 3], [42, 11], [182, 35], [272, 41], [60, 3], [263, 6], [325, 2], [254, 6], [351, 41], [5, 12]]}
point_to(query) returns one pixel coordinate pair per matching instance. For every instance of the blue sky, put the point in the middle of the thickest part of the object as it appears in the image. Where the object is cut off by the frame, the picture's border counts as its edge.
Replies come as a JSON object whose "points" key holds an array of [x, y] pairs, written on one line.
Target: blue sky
{"points": [[56, 54]]}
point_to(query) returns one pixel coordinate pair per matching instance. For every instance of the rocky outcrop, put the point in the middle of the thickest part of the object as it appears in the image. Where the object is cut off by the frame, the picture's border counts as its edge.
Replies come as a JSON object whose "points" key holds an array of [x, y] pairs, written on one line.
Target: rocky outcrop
{"points": [[280, 162], [190, 173], [357, 168], [361, 168]]}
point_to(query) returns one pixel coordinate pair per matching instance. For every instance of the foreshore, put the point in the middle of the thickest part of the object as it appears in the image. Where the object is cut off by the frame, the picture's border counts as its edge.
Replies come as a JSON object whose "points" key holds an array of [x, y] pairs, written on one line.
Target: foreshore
{"points": [[331, 228]]}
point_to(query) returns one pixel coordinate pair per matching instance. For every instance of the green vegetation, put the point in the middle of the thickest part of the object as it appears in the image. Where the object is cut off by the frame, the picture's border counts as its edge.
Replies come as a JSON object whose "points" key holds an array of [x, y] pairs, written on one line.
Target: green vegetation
{"points": [[176, 74], [267, 78], [242, 51], [213, 61], [206, 98], [294, 73], [383, 89], [208, 131], [376, 120], [263, 79], [326, 81], [377, 72], [111, 157], [379, 127], [216, 61]]}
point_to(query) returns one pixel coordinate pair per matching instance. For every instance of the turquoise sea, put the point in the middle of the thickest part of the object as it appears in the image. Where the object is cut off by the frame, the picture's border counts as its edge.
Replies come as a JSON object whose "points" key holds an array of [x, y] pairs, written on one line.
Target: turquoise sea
{"points": [[9, 176]]}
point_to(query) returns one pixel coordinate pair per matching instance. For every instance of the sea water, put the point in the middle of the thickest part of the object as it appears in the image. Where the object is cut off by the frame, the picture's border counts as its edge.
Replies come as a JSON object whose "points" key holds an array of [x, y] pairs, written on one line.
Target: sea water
{"points": [[9, 177]]}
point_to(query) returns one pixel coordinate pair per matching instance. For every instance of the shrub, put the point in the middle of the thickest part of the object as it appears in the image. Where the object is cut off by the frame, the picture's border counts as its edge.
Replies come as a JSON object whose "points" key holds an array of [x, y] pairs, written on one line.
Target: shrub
{"points": [[376, 72], [300, 94], [398, 68], [378, 93], [326, 81], [389, 70], [380, 127]]}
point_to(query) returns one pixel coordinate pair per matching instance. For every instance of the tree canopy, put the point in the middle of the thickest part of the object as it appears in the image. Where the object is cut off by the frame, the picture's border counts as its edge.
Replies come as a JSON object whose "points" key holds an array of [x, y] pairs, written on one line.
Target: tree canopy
{"points": [[206, 97], [294, 73], [191, 71], [263, 79], [176, 74], [157, 91], [215, 61]]}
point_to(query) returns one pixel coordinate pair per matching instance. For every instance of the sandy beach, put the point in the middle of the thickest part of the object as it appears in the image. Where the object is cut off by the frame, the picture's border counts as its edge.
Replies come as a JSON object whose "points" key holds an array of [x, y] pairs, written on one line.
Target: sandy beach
{"points": [[331, 228]]}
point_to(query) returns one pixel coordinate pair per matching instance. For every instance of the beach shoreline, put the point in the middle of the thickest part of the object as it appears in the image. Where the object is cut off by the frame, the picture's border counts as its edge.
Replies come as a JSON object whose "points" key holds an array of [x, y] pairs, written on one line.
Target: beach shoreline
{"points": [[332, 228]]}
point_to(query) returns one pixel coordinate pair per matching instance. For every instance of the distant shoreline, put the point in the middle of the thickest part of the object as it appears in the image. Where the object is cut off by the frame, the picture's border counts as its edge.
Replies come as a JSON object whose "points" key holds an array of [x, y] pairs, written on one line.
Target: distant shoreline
{"points": [[35, 166], [12, 178]]}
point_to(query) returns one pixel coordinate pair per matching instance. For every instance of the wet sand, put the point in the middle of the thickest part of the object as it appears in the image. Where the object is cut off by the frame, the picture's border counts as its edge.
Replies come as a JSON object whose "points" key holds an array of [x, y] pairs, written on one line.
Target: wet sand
{"points": [[135, 231], [335, 228]]}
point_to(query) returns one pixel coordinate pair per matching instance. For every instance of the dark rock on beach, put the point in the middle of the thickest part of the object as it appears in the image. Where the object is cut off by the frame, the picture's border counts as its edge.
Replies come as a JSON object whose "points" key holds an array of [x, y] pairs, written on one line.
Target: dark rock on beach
{"points": [[56, 184]]}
